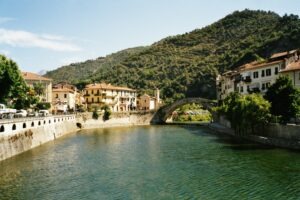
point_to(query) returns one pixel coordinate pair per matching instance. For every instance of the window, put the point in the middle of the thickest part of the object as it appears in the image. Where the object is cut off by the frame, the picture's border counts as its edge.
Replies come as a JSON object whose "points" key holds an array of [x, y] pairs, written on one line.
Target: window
{"points": [[268, 85], [276, 70], [92, 100], [65, 96], [263, 73], [263, 86], [92, 91], [56, 95], [255, 74], [268, 72], [242, 89]]}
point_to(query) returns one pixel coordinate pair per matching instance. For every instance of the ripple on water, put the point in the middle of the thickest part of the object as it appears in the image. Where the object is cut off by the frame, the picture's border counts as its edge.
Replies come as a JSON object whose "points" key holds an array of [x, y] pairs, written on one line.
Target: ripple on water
{"points": [[154, 162]]}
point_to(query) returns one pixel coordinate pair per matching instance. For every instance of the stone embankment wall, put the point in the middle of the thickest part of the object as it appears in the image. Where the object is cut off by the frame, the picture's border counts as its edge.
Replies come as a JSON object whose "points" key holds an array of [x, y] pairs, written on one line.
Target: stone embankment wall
{"points": [[116, 120], [20, 135], [286, 136]]}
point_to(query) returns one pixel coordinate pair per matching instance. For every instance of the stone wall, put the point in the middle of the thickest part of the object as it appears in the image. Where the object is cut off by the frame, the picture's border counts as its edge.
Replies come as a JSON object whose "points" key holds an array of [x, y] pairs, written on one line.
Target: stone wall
{"points": [[116, 120], [20, 135]]}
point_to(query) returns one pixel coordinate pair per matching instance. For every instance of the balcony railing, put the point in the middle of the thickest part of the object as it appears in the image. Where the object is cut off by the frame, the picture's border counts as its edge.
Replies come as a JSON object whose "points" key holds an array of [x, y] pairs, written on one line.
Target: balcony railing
{"points": [[247, 79]]}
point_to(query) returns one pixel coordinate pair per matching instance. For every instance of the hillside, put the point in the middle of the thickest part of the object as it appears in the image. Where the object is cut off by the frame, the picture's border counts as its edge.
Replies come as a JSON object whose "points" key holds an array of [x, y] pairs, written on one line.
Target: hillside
{"points": [[186, 65], [76, 72]]}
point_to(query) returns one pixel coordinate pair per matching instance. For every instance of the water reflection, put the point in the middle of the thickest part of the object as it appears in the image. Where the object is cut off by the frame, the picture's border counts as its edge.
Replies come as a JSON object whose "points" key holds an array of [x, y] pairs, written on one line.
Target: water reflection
{"points": [[154, 162]]}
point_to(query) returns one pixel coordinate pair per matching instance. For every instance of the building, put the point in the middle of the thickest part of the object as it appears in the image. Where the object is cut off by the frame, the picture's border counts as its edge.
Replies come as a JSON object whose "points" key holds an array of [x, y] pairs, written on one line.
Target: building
{"points": [[256, 77], [119, 99], [43, 84], [64, 97], [293, 71], [146, 102]]}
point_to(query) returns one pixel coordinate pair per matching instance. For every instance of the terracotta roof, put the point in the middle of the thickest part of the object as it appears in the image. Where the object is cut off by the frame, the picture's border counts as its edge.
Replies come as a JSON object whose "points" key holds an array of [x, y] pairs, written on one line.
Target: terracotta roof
{"points": [[105, 86], [294, 66], [251, 66], [62, 90], [277, 55], [33, 76]]}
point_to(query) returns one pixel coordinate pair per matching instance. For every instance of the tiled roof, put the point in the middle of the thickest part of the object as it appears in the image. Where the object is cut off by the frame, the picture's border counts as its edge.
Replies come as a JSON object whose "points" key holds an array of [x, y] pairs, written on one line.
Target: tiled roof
{"points": [[33, 76], [292, 67], [62, 90], [277, 55], [256, 65], [105, 86]]}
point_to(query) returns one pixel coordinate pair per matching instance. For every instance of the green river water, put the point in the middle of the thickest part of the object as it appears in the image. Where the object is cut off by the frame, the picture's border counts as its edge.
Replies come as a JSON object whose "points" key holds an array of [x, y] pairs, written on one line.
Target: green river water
{"points": [[151, 162]]}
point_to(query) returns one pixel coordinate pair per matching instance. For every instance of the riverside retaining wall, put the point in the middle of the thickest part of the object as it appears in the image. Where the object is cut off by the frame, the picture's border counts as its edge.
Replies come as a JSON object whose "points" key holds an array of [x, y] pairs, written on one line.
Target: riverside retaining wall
{"points": [[20, 135], [116, 120], [286, 136]]}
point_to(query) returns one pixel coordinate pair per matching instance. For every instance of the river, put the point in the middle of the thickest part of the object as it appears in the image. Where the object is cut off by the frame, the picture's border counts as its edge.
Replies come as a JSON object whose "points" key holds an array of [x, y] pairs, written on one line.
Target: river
{"points": [[151, 162]]}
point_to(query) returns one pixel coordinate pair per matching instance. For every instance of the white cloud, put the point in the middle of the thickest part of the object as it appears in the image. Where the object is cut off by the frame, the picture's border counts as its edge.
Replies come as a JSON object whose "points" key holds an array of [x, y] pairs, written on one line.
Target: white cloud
{"points": [[19, 38], [5, 19]]}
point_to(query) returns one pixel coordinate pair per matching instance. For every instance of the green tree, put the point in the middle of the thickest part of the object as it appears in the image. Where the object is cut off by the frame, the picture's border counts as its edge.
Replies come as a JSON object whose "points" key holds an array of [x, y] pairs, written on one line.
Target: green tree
{"points": [[39, 88], [246, 113], [107, 112], [284, 98], [13, 87]]}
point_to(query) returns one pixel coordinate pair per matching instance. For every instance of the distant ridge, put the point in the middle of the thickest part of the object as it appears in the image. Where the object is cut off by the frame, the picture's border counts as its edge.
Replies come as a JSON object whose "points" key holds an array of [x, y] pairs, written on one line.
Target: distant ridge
{"points": [[186, 65]]}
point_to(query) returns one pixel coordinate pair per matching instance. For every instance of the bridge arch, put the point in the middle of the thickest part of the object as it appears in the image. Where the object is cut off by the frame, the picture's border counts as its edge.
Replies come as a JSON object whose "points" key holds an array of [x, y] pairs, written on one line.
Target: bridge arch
{"points": [[162, 114]]}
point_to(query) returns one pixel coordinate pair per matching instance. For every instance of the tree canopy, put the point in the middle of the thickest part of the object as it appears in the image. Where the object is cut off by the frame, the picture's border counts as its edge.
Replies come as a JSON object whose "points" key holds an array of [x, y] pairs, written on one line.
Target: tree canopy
{"points": [[246, 112], [13, 88], [284, 98]]}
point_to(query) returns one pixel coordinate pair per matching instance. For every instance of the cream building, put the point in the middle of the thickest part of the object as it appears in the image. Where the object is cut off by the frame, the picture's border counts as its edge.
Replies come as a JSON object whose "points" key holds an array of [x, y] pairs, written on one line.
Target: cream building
{"points": [[146, 102], [293, 71], [31, 79], [64, 97], [256, 77], [119, 99]]}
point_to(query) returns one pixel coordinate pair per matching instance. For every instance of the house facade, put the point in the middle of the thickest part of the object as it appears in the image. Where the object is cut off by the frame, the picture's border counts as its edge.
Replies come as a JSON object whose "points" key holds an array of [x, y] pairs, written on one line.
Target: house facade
{"points": [[119, 99], [257, 77], [146, 102], [33, 80], [64, 97]]}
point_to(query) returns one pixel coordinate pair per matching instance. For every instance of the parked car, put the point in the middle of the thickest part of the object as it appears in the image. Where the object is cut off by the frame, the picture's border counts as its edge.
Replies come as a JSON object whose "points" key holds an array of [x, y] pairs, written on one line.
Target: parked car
{"points": [[21, 113], [32, 114], [43, 113], [6, 112]]}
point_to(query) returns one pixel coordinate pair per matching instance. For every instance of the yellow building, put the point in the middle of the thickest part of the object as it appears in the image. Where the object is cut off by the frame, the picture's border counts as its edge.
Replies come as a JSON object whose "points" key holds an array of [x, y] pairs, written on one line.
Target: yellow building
{"points": [[119, 99], [33, 79]]}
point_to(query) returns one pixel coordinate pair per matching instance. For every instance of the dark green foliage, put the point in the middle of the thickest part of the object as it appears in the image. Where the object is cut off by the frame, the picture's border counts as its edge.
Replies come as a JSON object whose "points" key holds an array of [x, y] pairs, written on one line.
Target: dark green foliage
{"points": [[246, 113], [186, 65], [95, 114], [284, 98], [107, 112], [13, 88], [43, 106]]}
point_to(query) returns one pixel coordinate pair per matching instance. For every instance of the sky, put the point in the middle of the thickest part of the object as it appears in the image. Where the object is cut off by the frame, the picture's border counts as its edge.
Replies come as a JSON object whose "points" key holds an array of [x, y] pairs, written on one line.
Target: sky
{"points": [[47, 34]]}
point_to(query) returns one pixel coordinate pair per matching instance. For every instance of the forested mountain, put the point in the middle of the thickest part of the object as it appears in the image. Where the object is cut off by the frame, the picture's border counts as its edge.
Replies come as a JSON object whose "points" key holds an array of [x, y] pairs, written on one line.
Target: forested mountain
{"points": [[187, 64]]}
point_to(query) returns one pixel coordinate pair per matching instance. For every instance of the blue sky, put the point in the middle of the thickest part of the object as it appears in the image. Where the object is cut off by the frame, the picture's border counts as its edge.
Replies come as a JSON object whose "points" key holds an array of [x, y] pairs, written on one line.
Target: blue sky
{"points": [[46, 34]]}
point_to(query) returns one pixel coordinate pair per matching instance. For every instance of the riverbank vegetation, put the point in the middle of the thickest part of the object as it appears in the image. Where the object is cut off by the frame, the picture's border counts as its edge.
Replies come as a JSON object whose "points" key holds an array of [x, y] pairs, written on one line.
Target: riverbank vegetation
{"points": [[248, 113], [191, 113]]}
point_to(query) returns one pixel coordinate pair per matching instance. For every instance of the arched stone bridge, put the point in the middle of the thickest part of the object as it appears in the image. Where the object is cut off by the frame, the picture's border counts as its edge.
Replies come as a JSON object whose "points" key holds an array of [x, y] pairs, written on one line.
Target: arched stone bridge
{"points": [[164, 112]]}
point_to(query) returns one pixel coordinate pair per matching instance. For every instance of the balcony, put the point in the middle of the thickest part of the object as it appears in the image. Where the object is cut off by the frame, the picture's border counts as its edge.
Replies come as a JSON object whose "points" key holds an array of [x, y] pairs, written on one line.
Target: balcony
{"points": [[238, 79], [247, 79]]}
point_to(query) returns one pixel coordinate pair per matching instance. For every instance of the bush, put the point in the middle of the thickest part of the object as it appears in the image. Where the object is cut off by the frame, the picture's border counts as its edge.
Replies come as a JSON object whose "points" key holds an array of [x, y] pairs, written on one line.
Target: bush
{"points": [[43, 106], [107, 113], [246, 113], [95, 114]]}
